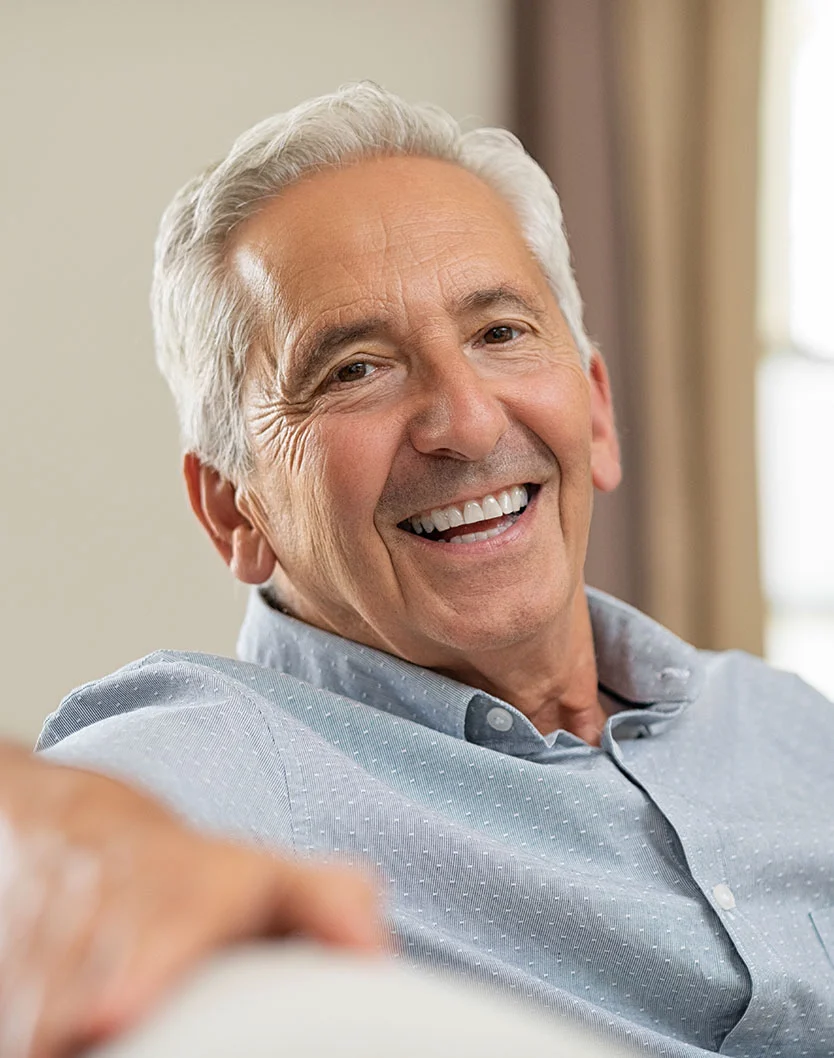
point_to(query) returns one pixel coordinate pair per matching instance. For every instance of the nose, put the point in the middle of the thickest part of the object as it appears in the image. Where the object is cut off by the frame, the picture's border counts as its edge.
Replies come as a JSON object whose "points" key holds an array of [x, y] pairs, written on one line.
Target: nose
{"points": [[458, 415]]}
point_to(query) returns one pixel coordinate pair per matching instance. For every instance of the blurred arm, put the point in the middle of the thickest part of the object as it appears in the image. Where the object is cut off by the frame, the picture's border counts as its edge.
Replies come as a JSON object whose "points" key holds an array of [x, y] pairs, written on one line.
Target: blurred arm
{"points": [[106, 898]]}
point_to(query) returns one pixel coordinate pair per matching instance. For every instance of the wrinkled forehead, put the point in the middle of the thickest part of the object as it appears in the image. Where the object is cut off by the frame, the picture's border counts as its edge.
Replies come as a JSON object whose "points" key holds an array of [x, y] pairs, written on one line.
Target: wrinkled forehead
{"points": [[382, 235]]}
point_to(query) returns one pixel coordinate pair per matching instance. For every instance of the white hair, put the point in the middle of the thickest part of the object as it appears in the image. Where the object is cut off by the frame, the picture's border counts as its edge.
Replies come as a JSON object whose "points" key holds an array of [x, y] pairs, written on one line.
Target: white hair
{"points": [[204, 324]]}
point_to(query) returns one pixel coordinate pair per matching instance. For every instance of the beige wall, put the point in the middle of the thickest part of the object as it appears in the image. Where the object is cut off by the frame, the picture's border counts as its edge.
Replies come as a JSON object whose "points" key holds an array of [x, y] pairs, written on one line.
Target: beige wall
{"points": [[106, 108]]}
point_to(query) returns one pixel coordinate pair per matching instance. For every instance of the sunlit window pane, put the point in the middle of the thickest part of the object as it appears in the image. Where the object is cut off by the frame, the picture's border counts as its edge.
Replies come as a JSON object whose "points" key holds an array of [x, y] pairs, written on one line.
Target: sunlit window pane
{"points": [[796, 446], [803, 643], [796, 375], [811, 177]]}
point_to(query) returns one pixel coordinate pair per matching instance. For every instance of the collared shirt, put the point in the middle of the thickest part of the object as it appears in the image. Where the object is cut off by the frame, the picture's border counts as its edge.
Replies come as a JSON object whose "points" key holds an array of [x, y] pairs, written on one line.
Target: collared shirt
{"points": [[672, 888]]}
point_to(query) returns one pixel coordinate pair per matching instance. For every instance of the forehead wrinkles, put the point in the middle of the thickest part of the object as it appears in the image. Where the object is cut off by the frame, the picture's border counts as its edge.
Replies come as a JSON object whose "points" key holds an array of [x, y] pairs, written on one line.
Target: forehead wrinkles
{"points": [[395, 303], [377, 255]]}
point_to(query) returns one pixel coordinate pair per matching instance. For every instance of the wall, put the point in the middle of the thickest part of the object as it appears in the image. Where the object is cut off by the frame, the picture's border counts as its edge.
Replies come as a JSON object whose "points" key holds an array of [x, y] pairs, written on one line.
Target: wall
{"points": [[106, 109]]}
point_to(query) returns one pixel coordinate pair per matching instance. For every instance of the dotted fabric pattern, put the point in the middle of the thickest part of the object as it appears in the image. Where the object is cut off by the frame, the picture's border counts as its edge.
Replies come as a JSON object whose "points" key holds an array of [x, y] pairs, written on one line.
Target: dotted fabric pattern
{"points": [[673, 888]]}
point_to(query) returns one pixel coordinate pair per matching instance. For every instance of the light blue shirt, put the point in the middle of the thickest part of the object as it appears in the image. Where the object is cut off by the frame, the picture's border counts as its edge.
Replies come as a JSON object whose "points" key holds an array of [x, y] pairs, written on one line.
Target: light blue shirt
{"points": [[673, 888]]}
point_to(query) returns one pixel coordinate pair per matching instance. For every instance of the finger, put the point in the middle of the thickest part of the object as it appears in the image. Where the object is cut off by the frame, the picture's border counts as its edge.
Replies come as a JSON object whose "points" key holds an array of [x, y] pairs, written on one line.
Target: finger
{"points": [[335, 905], [53, 956], [236, 893]]}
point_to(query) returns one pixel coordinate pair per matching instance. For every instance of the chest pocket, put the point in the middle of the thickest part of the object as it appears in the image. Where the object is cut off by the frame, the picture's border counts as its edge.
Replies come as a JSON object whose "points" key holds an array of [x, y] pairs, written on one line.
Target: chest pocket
{"points": [[823, 922]]}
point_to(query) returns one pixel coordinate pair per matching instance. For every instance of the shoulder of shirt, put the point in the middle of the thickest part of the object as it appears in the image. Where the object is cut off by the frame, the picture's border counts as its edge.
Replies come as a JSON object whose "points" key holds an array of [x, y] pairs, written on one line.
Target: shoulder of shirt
{"points": [[165, 680], [192, 731], [754, 676]]}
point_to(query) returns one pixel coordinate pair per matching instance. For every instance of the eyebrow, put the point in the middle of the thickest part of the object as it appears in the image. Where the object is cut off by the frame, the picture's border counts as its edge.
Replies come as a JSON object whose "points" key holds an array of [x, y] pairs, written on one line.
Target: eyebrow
{"points": [[493, 297], [316, 352]]}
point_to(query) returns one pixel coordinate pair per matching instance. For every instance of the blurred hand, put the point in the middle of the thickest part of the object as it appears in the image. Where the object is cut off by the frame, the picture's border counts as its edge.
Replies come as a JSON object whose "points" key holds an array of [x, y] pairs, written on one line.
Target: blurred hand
{"points": [[105, 899]]}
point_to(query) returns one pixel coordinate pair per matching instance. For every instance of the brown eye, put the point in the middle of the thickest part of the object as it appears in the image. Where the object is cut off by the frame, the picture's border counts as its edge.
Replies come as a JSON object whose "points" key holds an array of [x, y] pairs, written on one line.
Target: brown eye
{"points": [[499, 335], [354, 371]]}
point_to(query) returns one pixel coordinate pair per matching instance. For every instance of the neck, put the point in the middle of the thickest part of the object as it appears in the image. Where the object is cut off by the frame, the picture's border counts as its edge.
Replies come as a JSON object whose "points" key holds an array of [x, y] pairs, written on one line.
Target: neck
{"points": [[552, 679]]}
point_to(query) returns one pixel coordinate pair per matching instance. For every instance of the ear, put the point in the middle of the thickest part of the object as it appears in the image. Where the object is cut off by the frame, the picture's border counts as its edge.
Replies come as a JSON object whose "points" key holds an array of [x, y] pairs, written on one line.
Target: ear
{"points": [[225, 514], [606, 469]]}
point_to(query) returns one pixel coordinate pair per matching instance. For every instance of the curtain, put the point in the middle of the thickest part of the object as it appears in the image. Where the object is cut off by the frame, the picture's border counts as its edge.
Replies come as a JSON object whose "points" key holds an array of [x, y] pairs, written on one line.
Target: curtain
{"points": [[645, 115]]}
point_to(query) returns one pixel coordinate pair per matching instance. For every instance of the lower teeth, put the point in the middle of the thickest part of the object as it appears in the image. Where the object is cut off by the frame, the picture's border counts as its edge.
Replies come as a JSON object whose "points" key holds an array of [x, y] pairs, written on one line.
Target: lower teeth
{"points": [[470, 538]]}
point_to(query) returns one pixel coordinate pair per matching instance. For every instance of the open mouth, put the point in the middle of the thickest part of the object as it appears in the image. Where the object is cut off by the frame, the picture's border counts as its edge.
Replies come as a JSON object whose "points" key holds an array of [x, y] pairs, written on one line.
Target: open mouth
{"points": [[478, 519]]}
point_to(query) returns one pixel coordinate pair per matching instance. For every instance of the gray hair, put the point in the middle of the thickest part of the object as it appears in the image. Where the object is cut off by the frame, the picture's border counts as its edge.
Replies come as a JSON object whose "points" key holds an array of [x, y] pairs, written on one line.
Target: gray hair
{"points": [[204, 325]]}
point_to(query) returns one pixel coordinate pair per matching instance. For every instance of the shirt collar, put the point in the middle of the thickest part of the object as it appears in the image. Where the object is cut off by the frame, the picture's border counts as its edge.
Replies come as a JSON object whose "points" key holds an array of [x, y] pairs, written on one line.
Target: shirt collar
{"points": [[272, 638], [641, 665], [639, 661]]}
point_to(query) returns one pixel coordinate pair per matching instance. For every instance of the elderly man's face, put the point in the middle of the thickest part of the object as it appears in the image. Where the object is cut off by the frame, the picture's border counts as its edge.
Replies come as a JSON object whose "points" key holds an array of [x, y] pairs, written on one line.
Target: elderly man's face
{"points": [[423, 365]]}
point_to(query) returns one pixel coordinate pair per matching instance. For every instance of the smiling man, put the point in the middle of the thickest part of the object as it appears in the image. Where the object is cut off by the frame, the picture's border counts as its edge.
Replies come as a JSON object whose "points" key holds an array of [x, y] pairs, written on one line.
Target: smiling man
{"points": [[394, 424], [417, 387]]}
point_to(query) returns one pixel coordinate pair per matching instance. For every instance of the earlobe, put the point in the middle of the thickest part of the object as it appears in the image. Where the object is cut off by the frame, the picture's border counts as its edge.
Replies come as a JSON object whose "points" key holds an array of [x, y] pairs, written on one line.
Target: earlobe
{"points": [[606, 468], [228, 522], [252, 560]]}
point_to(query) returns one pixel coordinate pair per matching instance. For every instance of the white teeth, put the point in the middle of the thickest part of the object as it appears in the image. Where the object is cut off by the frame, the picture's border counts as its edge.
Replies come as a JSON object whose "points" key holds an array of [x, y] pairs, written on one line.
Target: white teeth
{"points": [[486, 534], [473, 512], [441, 520], [519, 495], [508, 501], [491, 507]]}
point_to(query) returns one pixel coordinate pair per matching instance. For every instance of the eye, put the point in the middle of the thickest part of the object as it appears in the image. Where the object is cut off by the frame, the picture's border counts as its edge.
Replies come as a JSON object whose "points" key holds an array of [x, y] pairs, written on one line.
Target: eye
{"points": [[500, 334], [354, 371]]}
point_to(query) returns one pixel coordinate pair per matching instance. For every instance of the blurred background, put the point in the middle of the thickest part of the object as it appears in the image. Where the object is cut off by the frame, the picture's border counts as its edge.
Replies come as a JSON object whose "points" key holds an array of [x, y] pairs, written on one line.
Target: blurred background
{"points": [[691, 142]]}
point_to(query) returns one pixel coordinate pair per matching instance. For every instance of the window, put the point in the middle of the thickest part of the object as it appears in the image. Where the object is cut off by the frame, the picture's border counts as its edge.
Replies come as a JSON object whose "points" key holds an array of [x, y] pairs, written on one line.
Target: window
{"points": [[796, 310]]}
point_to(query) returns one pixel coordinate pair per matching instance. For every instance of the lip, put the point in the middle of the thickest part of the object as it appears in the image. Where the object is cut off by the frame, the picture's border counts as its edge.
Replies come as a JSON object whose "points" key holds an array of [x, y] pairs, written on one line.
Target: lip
{"points": [[475, 548]]}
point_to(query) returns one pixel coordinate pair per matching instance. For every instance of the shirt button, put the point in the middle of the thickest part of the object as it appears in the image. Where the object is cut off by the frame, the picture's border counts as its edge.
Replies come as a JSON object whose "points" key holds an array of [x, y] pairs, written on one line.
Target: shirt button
{"points": [[499, 719], [724, 896]]}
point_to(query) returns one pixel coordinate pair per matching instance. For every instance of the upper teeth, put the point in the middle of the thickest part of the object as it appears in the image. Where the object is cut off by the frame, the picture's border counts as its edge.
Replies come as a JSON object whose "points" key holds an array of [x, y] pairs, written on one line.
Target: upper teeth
{"points": [[507, 502]]}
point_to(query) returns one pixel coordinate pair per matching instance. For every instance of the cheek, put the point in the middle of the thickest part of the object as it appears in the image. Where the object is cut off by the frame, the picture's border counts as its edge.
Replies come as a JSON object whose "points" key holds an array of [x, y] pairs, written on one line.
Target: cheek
{"points": [[349, 465], [558, 411]]}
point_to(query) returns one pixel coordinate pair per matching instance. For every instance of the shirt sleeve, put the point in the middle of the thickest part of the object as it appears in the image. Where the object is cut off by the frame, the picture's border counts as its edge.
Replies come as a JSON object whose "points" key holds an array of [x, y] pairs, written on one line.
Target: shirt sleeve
{"points": [[196, 741]]}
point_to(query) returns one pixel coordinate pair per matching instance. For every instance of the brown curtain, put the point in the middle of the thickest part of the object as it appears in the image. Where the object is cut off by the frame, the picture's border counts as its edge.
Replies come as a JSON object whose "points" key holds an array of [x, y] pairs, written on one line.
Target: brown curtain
{"points": [[645, 115]]}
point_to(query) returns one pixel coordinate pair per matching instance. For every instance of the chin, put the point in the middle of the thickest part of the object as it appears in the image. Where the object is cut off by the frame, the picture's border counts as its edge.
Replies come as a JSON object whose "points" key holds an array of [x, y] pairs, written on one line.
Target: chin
{"points": [[487, 640], [489, 629]]}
